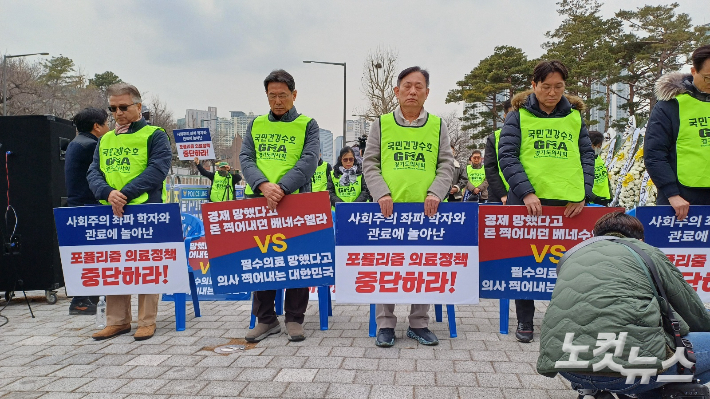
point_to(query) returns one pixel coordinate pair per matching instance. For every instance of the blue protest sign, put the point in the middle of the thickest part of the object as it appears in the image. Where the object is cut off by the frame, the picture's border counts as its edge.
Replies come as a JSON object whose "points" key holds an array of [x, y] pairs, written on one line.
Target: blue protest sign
{"points": [[685, 242], [193, 143], [140, 253]]}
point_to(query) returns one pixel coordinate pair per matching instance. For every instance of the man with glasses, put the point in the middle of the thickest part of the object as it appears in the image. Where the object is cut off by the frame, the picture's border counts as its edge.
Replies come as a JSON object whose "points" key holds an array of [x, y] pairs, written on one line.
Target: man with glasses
{"points": [[677, 143], [427, 181], [279, 156], [546, 157], [118, 177]]}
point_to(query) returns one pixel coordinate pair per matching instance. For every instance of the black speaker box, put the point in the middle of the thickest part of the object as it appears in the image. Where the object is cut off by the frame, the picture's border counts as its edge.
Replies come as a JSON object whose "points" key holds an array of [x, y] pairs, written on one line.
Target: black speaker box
{"points": [[34, 169]]}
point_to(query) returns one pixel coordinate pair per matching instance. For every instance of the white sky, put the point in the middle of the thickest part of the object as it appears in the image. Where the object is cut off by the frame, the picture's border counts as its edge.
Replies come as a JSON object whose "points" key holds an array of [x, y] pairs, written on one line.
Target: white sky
{"points": [[195, 54]]}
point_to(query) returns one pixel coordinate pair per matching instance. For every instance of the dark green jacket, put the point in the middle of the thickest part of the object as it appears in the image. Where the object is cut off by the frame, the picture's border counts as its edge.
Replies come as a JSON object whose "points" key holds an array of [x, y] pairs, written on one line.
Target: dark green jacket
{"points": [[603, 288]]}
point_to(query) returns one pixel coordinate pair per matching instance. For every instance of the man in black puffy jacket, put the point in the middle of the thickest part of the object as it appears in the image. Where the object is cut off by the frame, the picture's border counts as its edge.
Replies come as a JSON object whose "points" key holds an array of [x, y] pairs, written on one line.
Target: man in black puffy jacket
{"points": [[678, 137], [546, 156]]}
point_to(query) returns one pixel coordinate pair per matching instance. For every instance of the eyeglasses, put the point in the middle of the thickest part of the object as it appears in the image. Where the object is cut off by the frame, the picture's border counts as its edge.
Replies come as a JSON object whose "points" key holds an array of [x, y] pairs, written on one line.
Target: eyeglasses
{"points": [[706, 78], [348, 159], [123, 108]]}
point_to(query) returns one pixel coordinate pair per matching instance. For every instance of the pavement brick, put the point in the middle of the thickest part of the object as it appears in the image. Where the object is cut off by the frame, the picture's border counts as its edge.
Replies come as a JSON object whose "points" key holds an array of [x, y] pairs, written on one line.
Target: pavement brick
{"points": [[530, 393], [379, 377], [317, 362], [306, 390], [103, 385], [435, 392], [260, 374], [261, 390], [67, 384], [142, 386], [336, 376], [183, 387], [360, 363], [289, 362], [392, 392], [483, 393], [296, 375], [62, 395], [29, 384], [397, 364], [415, 378], [147, 360], [347, 391], [498, 380], [314, 351], [456, 379], [223, 388]]}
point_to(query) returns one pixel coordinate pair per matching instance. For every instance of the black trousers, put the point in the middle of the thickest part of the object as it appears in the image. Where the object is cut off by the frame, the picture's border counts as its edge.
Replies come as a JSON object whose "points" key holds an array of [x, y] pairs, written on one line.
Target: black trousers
{"points": [[294, 306], [525, 310]]}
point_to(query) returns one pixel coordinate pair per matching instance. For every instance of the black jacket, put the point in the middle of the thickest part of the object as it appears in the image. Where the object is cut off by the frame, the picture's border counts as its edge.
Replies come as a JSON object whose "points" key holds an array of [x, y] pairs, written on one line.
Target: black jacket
{"points": [[659, 149], [79, 155], [496, 188], [364, 193], [149, 181], [236, 178], [510, 138]]}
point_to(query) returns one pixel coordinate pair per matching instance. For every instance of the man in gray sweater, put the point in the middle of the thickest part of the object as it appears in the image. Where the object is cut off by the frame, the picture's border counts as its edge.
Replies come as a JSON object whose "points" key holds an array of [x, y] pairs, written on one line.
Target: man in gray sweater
{"points": [[426, 178]]}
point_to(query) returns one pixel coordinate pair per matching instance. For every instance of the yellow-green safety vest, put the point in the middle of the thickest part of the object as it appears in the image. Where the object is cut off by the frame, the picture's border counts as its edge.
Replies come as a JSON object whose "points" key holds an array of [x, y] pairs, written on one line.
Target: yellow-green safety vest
{"points": [[346, 193], [549, 153], [693, 143], [409, 156], [500, 170], [601, 179], [123, 157], [222, 188], [319, 181], [476, 176], [278, 146]]}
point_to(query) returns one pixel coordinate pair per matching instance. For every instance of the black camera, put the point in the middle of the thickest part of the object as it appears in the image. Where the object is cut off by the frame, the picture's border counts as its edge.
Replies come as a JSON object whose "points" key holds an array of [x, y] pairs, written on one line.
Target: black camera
{"points": [[685, 390]]}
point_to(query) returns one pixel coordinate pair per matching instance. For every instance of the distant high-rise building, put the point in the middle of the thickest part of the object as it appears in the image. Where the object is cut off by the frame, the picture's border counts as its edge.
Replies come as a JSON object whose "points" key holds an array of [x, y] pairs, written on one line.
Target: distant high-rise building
{"points": [[223, 137], [195, 118], [181, 123], [356, 128], [240, 120], [619, 93], [338, 144], [326, 145]]}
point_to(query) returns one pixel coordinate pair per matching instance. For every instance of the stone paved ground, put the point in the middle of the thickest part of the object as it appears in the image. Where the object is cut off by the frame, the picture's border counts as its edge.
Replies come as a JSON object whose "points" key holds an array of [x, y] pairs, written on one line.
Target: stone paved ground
{"points": [[53, 356]]}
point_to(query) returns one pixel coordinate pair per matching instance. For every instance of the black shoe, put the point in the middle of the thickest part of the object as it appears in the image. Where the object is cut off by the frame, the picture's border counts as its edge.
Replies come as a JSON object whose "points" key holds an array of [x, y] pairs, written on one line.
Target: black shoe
{"points": [[385, 338], [84, 307], [524, 333], [423, 335]]}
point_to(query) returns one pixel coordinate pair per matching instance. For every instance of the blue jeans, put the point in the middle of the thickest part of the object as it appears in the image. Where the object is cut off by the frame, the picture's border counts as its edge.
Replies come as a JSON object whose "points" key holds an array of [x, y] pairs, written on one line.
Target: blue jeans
{"points": [[701, 347]]}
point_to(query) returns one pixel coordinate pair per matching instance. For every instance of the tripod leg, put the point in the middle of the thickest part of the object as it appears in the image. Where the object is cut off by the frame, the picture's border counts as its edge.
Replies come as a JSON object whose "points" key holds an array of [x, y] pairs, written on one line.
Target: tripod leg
{"points": [[26, 300]]}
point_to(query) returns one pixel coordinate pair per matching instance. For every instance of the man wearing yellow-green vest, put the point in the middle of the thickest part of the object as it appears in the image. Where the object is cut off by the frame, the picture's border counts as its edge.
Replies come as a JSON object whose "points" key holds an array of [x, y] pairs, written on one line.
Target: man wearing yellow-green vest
{"points": [[319, 181], [223, 181], [130, 165], [278, 157], [546, 157], [676, 148], [427, 179], [601, 192], [497, 186], [477, 186]]}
